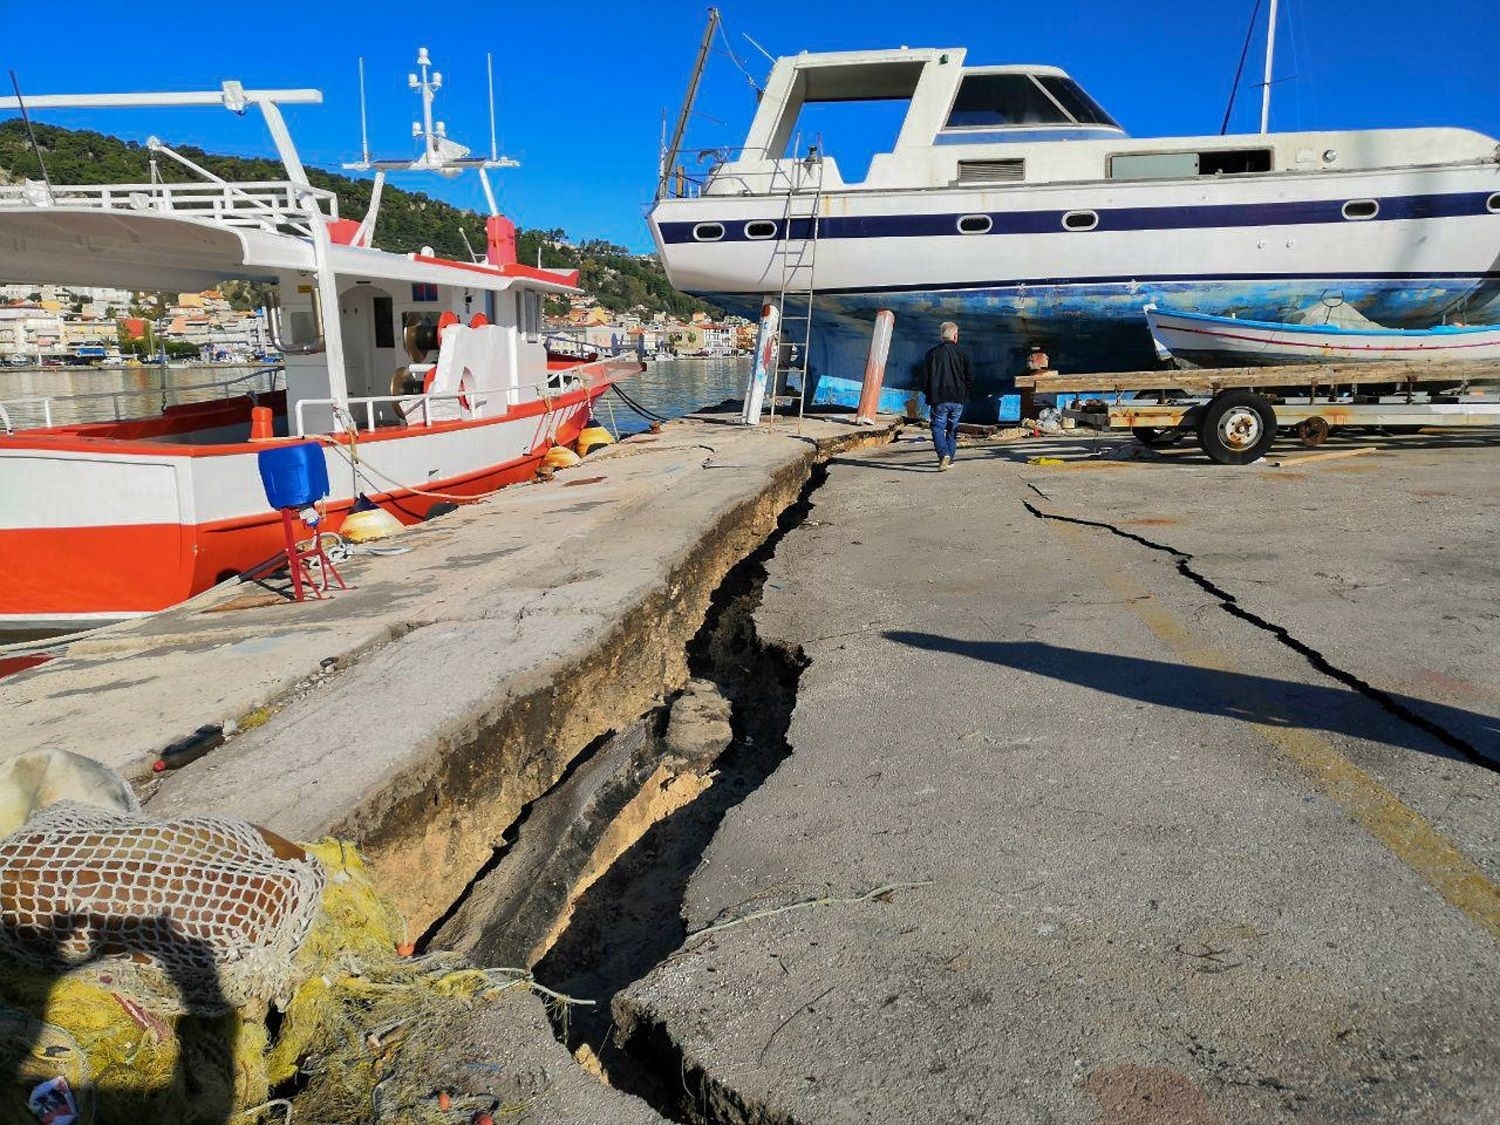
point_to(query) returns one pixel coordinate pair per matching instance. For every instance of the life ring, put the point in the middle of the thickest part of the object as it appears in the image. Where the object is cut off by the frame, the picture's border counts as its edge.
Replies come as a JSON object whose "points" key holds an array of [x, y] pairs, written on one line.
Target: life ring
{"points": [[447, 321], [478, 320]]}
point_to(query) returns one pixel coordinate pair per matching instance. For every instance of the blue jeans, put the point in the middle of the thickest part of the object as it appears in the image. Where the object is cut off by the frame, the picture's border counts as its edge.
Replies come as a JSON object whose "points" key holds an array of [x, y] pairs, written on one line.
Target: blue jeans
{"points": [[945, 416]]}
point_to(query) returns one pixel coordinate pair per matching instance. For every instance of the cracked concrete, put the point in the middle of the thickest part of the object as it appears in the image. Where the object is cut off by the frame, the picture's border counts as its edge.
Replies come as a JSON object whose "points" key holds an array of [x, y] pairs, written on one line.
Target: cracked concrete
{"points": [[1178, 871], [456, 695]]}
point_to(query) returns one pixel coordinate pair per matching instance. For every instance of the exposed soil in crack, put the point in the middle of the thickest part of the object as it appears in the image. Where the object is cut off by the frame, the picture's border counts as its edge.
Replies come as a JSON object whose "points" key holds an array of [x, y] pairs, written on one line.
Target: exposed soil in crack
{"points": [[1231, 605], [631, 919]]}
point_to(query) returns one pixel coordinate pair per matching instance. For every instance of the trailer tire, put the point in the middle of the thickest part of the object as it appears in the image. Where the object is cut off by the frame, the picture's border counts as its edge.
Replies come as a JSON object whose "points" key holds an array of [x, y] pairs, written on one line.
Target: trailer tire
{"points": [[1237, 427]]}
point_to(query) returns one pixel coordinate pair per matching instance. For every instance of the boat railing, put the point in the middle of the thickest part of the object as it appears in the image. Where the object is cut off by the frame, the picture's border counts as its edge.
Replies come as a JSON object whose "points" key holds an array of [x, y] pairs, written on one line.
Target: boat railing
{"points": [[416, 409], [272, 205], [49, 410]]}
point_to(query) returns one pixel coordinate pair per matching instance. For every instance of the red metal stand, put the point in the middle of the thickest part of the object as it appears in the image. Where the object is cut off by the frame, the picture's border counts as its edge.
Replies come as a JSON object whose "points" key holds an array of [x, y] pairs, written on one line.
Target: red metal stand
{"points": [[297, 560]]}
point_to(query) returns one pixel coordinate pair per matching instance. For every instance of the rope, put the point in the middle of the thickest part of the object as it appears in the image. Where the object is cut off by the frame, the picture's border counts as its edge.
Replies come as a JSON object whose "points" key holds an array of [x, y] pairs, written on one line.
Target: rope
{"points": [[643, 411]]}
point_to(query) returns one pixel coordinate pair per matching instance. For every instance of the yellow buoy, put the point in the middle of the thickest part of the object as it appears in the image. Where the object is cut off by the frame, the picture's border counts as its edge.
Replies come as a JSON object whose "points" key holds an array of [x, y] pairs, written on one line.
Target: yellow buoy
{"points": [[373, 523], [591, 438], [560, 457]]}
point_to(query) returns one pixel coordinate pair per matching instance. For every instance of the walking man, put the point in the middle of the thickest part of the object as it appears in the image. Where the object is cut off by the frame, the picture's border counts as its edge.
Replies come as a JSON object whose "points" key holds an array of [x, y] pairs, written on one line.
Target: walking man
{"points": [[947, 379]]}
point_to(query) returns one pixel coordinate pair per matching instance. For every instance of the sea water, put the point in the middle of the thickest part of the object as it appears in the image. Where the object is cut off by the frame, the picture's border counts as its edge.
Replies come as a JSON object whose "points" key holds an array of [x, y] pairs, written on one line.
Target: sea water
{"points": [[670, 388]]}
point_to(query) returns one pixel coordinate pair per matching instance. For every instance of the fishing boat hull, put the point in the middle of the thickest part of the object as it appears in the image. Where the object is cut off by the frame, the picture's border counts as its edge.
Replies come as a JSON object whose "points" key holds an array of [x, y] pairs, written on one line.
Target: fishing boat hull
{"points": [[1216, 341], [104, 522]]}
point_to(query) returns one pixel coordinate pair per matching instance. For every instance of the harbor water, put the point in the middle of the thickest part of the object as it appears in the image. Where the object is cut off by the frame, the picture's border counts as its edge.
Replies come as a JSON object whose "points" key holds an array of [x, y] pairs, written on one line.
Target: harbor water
{"points": [[66, 395]]}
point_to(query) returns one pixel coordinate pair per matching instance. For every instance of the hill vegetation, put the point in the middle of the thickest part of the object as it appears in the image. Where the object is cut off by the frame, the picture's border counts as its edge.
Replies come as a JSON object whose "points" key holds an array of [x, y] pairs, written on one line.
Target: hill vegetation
{"points": [[409, 220]]}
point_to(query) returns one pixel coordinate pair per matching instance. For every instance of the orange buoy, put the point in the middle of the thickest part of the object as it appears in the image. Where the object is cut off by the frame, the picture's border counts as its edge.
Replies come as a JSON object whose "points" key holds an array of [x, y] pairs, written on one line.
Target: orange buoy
{"points": [[560, 457], [262, 424], [447, 321], [478, 320]]}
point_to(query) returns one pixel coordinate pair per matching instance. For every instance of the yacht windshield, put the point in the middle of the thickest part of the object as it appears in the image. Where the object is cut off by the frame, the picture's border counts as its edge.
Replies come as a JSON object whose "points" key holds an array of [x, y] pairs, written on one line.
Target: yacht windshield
{"points": [[1023, 99], [1003, 99], [1085, 110]]}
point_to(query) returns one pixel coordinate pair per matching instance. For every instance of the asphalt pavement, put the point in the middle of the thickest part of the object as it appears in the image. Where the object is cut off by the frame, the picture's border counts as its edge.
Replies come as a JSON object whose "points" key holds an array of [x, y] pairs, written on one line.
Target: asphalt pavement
{"points": [[1181, 779]]}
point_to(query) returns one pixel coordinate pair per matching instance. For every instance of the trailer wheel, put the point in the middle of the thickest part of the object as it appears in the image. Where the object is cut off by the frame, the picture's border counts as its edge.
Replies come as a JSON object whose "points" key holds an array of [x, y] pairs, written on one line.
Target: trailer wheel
{"points": [[1237, 427], [1312, 432], [1155, 437]]}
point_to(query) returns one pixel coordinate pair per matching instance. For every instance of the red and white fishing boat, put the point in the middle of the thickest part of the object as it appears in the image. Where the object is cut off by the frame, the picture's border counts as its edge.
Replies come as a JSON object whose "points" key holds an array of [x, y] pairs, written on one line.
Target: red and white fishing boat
{"points": [[1226, 341], [425, 379]]}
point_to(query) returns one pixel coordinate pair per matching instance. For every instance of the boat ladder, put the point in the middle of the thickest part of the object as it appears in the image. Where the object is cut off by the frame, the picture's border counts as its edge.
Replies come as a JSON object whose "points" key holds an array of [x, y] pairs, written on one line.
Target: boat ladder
{"points": [[798, 251]]}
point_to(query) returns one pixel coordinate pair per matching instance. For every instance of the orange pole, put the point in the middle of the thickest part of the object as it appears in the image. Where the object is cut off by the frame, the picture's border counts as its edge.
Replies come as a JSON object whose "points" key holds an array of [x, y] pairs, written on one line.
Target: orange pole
{"points": [[880, 350]]}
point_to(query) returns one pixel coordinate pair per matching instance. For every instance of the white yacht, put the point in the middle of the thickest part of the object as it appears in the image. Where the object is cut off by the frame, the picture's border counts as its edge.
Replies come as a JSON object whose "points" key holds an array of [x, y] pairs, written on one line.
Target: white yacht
{"points": [[1013, 203]]}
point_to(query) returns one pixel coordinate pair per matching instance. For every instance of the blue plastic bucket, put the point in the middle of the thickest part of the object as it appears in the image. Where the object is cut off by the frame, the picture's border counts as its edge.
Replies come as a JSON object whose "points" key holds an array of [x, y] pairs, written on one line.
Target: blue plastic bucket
{"points": [[294, 476]]}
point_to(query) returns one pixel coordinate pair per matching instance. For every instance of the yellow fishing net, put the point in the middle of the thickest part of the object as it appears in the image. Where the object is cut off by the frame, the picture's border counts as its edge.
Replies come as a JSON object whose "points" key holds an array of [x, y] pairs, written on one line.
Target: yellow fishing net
{"points": [[186, 970]]}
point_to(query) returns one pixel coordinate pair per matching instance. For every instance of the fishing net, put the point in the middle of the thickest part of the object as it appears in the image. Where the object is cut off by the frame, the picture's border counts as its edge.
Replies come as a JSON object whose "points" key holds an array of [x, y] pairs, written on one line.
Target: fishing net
{"points": [[142, 960], [196, 915]]}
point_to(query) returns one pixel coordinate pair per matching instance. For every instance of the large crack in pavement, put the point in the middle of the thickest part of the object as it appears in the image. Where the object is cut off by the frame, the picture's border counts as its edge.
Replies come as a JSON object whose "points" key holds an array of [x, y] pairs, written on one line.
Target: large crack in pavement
{"points": [[631, 920], [1317, 660]]}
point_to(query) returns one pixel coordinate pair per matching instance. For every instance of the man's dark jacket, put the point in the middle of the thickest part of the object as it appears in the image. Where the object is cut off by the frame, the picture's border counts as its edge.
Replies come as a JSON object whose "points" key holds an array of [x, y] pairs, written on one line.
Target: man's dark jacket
{"points": [[947, 374]]}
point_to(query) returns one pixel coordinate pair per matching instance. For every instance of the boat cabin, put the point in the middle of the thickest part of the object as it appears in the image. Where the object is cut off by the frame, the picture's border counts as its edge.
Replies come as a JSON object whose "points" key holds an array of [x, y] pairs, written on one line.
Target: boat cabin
{"points": [[954, 125]]}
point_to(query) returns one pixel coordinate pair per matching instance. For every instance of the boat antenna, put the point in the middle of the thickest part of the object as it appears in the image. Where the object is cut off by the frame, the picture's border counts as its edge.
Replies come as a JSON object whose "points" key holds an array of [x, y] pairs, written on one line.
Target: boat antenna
{"points": [[364, 127], [30, 132], [669, 154], [1239, 71], [1265, 91], [769, 57], [489, 67]]}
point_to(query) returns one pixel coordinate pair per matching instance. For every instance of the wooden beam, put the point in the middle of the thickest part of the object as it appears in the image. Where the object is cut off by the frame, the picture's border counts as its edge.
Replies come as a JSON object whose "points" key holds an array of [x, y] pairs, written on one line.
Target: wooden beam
{"points": [[1297, 375]]}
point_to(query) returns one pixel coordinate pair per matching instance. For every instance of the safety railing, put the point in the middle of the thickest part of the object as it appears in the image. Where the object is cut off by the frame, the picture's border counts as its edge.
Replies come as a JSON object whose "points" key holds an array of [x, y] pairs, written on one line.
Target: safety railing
{"points": [[265, 204], [47, 408], [415, 405]]}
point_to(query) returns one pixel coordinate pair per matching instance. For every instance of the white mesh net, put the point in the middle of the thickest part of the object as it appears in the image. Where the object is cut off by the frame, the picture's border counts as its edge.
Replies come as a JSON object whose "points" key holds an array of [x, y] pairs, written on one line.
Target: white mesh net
{"points": [[196, 914]]}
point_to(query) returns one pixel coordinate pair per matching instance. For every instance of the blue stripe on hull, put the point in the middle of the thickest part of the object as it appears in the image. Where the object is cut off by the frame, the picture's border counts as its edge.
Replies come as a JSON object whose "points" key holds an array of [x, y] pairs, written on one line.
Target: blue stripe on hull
{"points": [[1201, 216], [1093, 328]]}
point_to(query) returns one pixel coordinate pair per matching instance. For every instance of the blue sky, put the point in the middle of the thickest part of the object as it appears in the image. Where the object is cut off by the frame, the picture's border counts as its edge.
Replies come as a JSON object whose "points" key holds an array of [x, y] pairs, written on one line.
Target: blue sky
{"points": [[582, 87]]}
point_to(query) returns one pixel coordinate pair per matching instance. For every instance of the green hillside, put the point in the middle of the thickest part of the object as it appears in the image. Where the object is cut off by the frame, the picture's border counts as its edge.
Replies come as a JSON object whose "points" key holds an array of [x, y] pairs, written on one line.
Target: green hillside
{"points": [[408, 221]]}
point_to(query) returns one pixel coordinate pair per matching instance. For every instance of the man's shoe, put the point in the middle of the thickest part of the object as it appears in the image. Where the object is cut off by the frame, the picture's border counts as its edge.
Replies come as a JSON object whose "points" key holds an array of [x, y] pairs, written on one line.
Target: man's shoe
{"points": [[943, 464]]}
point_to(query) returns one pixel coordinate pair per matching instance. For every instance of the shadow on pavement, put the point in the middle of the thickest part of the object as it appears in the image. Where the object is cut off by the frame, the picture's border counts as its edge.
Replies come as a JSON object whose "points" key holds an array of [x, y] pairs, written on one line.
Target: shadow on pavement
{"points": [[1232, 695]]}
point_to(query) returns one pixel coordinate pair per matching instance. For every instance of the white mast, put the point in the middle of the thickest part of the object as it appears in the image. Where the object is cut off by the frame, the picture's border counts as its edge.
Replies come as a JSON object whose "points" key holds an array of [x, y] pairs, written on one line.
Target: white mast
{"points": [[1265, 90]]}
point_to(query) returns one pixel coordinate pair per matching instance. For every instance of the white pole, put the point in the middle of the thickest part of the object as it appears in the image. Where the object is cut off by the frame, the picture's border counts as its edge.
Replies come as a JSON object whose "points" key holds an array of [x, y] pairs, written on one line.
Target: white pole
{"points": [[1265, 90], [489, 66], [364, 129]]}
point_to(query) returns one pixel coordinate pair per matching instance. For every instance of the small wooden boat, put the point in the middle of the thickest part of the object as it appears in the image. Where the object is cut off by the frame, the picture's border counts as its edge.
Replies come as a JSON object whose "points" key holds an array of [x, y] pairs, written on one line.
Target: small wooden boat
{"points": [[1225, 341]]}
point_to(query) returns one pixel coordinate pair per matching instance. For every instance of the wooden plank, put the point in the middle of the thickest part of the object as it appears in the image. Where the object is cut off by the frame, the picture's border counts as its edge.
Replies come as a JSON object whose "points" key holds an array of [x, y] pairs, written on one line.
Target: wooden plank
{"points": [[1331, 455], [1297, 375]]}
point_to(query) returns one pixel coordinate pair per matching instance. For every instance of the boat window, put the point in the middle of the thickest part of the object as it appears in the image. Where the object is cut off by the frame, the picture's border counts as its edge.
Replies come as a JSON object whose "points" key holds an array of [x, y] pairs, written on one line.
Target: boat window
{"points": [[1080, 220], [1177, 165], [385, 322], [1003, 99], [528, 305], [423, 291], [1234, 161], [708, 232], [1361, 209], [762, 228], [1071, 96], [975, 224], [1494, 203]]}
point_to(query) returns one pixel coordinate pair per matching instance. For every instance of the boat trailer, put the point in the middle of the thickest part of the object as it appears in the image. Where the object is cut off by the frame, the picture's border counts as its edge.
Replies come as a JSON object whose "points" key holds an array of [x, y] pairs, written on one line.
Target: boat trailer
{"points": [[1236, 413]]}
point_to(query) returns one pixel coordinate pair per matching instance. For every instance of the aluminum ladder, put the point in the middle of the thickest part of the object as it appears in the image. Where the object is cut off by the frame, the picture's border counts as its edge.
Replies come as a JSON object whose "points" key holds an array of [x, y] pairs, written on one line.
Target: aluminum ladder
{"points": [[798, 250]]}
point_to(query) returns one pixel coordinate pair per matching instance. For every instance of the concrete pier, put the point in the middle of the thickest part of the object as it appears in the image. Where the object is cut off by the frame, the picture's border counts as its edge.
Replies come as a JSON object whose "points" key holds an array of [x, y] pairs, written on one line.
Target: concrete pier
{"points": [[419, 713]]}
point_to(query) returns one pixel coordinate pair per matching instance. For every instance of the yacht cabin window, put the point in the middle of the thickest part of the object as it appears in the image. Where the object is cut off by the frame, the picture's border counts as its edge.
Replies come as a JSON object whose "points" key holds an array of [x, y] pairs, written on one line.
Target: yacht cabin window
{"points": [[989, 100]]}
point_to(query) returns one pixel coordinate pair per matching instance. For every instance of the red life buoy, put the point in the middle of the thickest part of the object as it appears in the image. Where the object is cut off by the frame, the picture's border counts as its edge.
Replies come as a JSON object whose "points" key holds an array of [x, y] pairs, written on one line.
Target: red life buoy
{"points": [[478, 320], [446, 321]]}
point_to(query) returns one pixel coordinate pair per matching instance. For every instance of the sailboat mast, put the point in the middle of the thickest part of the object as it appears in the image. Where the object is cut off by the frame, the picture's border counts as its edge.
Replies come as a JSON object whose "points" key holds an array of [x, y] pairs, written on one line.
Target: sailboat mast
{"points": [[1265, 90]]}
